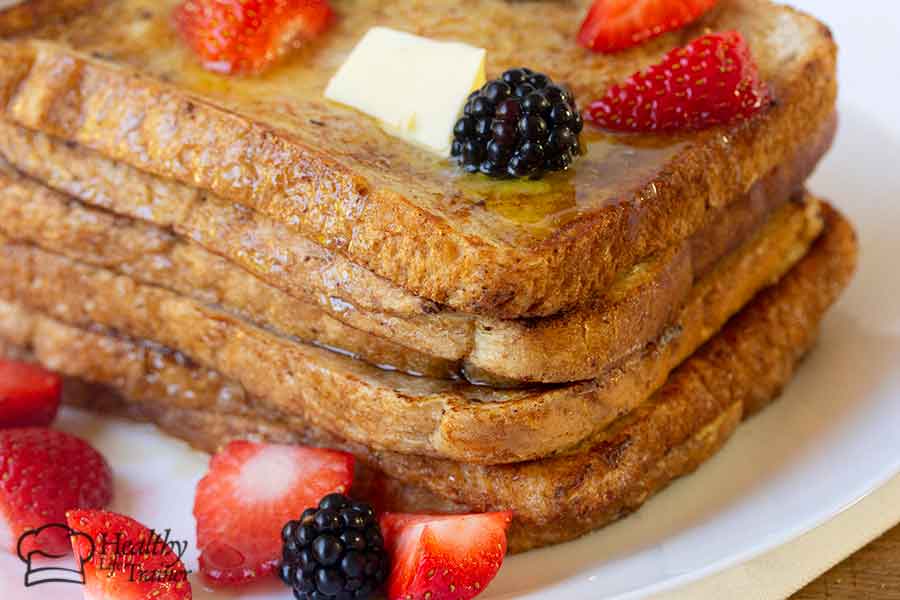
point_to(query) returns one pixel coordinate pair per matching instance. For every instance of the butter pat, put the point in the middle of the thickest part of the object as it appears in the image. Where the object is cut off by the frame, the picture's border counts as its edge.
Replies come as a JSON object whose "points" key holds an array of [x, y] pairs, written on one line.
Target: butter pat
{"points": [[415, 87]]}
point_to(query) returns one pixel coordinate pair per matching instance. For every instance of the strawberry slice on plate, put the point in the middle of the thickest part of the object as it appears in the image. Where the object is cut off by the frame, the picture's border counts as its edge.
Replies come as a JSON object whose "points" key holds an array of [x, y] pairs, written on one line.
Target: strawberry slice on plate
{"points": [[613, 25], [249, 493], [44, 473], [106, 541], [29, 395], [443, 557], [711, 81], [246, 37]]}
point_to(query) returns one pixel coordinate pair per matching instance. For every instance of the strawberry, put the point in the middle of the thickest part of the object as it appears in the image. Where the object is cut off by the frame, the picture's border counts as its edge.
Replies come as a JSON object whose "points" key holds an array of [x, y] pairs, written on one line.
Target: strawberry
{"points": [[613, 25], [249, 493], [44, 473], [246, 36], [711, 81], [29, 395], [115, 570], [440, 557]]}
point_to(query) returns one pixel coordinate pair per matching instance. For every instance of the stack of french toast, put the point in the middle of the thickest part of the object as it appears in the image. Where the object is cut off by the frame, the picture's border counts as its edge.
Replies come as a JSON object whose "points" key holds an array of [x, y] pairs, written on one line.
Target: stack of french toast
{"points": [[240, 257]]}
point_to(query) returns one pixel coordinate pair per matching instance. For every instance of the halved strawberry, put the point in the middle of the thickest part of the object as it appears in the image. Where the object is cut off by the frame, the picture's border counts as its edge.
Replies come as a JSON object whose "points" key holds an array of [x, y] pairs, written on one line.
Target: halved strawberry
{"points": [[443, 557], [249, 493], [711, 81], [613, 25], [247, 36], [29, 395], [44, 473], [116, 571]]}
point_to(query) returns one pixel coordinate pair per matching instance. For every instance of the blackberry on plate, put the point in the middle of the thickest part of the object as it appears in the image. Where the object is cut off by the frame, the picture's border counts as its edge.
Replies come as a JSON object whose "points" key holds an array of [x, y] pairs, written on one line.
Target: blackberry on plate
{"points": [[521, 125], [334, 552]]}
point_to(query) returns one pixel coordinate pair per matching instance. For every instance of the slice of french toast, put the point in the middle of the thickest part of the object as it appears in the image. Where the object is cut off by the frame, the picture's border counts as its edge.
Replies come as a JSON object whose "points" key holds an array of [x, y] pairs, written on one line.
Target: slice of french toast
{"points": [[554, 499], [390, 410], [408, 332], [119, 81]]}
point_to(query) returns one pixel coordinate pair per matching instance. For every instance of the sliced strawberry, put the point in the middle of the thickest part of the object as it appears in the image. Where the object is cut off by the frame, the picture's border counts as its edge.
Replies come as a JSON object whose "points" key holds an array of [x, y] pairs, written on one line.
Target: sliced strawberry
{"points": [[711, 81], [247, 36], [249, 493], [439, 557], [613, 25], [29, 395], [115, 571], [44, 473]]}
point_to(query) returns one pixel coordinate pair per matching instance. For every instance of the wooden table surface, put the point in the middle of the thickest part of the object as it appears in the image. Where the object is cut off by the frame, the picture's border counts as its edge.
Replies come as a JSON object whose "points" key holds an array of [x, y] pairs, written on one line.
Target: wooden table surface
{"points": [[873, 573]]}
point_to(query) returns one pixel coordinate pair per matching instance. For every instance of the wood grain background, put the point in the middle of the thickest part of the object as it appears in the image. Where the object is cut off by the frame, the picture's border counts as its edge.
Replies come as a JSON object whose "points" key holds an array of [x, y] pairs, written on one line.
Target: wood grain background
{"points": [[873, 573]]}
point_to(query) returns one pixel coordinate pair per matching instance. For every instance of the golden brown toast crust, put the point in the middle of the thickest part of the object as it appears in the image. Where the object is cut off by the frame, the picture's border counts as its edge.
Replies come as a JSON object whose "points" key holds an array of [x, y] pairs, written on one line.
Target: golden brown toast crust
{"points": [[576, 345], [390, 410], [208, 431], [374, 200], [555, 499], [34, 13], [31, 213]]}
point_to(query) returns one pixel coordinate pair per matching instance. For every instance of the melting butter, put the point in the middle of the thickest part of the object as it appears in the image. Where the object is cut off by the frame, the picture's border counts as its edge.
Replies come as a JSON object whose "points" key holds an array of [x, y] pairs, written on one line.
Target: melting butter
{"points": [[414, 86]]}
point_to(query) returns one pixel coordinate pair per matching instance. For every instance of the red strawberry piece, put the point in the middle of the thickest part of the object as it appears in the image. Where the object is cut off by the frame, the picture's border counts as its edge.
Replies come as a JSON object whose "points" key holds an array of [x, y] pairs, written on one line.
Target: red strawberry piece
{"points": [[711, 81], [247, 36], [443, 557], [249, 493], [128, 560], [44, 473], [29, 395], [613, 25]]}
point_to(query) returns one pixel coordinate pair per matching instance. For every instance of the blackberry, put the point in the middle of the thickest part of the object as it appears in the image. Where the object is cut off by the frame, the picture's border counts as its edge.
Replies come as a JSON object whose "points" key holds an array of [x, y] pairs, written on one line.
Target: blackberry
{"points": [[521, 125], [334, 552]]}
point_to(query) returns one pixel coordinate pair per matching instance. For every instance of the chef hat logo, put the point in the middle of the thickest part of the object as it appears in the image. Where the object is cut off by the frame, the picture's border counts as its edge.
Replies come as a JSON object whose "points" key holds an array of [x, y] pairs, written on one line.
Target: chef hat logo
{"points": [[35, 574]]}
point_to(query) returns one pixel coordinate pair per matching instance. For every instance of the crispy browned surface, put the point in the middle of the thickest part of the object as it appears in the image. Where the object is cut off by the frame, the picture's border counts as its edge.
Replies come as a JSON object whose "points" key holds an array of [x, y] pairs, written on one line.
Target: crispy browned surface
{"points": [[209, 431], [391, 410], [576, 345], [482, 248], [34, 214], [636, 310], [747, 364], [554, 499], [33, 13]]}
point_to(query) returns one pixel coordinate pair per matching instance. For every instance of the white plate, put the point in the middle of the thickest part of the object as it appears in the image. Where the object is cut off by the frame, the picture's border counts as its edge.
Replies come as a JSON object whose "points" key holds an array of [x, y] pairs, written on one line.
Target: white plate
{"points": [[831, 439]]}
